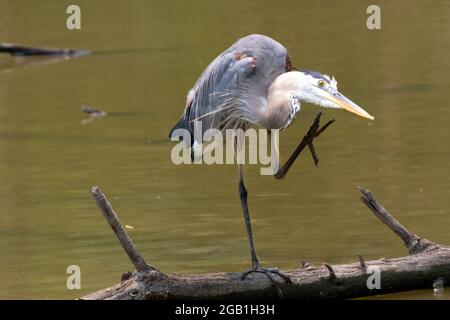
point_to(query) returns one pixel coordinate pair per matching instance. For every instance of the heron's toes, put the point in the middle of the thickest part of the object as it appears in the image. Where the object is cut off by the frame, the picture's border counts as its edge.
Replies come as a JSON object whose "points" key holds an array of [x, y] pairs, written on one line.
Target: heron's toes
{"points": [[253, 62], [269, 272]]}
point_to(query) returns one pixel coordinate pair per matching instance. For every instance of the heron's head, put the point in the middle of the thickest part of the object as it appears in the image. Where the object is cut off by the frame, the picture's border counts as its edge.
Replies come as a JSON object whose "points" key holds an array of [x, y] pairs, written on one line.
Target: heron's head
{"points": [[319, 89]]}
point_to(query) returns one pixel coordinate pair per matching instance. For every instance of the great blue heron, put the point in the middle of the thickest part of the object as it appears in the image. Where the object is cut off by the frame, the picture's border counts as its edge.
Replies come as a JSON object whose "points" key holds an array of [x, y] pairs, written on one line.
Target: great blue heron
{"points": [[253, 83]]}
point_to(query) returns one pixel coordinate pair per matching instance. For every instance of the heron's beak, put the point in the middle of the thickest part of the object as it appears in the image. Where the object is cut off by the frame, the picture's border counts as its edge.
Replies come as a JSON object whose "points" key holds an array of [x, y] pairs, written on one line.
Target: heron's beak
{"points": [[343, 102]]}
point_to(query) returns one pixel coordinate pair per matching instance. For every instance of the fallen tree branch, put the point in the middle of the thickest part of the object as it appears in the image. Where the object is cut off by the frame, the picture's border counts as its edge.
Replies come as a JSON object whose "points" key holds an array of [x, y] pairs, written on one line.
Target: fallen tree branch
{"points": [[21, 51], [428, 263]]}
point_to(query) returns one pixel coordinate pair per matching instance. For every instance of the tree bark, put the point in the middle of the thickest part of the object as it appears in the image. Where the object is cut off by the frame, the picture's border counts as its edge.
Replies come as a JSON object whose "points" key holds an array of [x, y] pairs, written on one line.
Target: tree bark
{"points": [[427, 265]]}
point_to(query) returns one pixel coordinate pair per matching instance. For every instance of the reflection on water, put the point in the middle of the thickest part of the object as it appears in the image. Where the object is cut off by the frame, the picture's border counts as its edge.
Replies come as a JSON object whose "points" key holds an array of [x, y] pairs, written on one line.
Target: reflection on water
{"points": [[188, 218]]}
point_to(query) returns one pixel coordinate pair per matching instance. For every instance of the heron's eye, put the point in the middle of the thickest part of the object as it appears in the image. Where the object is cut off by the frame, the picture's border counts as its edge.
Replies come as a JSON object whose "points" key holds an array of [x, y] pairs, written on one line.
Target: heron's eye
{"points": [[321, 83]]}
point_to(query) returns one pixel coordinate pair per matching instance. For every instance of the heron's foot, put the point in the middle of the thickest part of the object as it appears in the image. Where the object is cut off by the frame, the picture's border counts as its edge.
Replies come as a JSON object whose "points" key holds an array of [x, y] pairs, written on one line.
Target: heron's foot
{"points": [[314, 131], [253, 62], [246, 65], [269, 272]]}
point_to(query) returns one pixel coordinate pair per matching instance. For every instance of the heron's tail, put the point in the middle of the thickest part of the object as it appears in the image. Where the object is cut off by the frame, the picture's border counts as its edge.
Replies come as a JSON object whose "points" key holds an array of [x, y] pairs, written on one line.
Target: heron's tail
{"points": [[183, 123]]}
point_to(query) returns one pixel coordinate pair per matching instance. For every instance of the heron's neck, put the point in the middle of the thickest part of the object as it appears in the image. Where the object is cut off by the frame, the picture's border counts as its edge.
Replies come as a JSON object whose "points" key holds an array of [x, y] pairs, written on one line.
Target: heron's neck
{"points": [[288, 81], [278, 108]]}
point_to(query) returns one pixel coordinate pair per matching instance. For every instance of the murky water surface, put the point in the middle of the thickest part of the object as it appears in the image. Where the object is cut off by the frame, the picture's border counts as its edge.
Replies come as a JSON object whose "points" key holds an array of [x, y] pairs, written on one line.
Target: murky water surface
{"points": [[188, 218]]}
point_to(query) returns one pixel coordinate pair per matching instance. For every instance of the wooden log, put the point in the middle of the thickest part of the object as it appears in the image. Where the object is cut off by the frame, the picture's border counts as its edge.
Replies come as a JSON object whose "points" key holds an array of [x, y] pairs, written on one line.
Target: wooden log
{"points": [[427, 264], [17, 50]]}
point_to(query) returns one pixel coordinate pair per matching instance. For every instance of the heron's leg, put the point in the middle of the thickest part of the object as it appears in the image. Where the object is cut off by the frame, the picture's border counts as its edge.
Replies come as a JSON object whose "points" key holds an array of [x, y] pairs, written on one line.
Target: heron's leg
{"points": [[313, 132], [243, 195], [256, 267]]}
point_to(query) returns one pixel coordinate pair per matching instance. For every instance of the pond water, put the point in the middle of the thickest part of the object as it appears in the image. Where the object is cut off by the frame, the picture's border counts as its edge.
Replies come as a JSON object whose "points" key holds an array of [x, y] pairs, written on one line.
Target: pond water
{"points": [[188, 218]]}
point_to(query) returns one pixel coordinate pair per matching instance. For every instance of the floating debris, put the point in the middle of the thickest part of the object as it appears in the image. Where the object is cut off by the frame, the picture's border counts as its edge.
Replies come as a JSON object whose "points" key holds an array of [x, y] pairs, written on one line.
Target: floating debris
{"points": [[93, 114], [129, 227], [91, 110]]}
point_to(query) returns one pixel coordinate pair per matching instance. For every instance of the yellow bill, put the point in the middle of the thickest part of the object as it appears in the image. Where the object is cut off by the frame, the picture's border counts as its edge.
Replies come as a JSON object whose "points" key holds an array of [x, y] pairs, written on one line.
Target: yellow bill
{"points": [[344, 103]]}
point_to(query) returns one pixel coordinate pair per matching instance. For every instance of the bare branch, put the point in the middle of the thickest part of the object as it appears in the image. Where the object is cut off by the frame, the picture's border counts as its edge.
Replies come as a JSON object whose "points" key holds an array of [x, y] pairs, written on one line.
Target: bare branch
{"points": [[412, 241], [126, 242]]}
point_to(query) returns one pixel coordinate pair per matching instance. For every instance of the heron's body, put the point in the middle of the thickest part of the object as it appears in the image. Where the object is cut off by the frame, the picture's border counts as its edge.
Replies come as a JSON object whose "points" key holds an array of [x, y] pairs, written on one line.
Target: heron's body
{"points": [[253, 83], [234, 87]]}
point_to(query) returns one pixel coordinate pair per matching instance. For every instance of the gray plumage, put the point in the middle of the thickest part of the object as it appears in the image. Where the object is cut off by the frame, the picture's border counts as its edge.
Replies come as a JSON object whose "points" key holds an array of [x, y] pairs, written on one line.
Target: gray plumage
{"points": [[317, 75], [252, 82], [234, 84]]}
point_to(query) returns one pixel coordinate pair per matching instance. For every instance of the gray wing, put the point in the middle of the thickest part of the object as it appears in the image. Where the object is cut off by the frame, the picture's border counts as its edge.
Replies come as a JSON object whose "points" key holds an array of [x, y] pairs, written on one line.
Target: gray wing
{"points": [[234, 84]]}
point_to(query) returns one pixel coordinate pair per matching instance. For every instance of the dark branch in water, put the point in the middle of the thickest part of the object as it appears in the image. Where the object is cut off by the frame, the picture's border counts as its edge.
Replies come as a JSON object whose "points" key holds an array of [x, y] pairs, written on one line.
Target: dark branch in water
{"points": [[22, 51]]}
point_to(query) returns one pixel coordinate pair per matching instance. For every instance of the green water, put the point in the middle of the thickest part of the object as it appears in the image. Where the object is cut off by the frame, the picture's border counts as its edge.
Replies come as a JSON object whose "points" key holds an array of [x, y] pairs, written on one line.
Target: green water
{"points": [[188, 218]]}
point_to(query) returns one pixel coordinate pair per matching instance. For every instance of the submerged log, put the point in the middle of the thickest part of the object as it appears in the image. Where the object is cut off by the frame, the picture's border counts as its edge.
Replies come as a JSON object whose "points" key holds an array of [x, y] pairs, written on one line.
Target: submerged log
{"points": [[21, 51], [427, 265]]}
